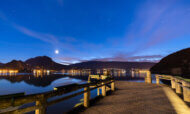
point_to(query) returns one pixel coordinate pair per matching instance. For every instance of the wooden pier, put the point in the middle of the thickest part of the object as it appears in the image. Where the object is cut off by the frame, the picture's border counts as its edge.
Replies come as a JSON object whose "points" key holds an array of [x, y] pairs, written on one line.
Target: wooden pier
{"points": [[140, 98], [146, 98]]}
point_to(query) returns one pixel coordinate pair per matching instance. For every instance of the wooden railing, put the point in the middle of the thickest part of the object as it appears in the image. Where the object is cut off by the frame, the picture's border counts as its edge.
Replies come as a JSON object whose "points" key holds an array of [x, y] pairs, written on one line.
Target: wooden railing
{"points": [[12, 105], [181, 86]]}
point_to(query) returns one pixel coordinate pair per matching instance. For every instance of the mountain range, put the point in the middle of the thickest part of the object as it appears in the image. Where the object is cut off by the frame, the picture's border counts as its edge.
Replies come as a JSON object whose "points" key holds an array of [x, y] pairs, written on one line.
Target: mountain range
{"points": [[112, 64], [44, 62], [37, 62], [47, 63]]}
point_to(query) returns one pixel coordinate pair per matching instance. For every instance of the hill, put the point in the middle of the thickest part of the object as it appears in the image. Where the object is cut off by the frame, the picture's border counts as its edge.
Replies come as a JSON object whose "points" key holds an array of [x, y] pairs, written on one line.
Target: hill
{"points": [[1, 64], [44, 62], [113, 64], [177, 63], [14, 64], [47, 63]]}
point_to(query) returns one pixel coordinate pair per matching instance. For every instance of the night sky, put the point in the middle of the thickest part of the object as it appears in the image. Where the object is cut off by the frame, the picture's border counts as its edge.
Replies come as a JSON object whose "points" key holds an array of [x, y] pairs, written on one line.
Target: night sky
{"points": [[106, 30]]}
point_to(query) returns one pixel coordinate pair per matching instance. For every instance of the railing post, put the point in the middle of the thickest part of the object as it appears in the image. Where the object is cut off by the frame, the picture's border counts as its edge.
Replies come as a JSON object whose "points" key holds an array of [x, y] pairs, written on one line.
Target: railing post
{"points": [[89, 79], [145, 79], [149, 78], [186, 91], [103, 89], [87, 97], [42, 103], [113, 85], [98, 91], [173, 83], [157, 79], [178, 87]]}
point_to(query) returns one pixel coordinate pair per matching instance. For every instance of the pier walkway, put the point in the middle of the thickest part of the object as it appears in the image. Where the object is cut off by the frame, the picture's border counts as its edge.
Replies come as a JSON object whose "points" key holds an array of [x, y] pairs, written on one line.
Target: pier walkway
{"points": [[140, 98]]}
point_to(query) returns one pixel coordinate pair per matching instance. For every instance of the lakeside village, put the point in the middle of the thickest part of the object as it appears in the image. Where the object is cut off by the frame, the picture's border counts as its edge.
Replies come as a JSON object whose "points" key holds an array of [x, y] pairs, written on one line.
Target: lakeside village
{"points": [[72, 72]]}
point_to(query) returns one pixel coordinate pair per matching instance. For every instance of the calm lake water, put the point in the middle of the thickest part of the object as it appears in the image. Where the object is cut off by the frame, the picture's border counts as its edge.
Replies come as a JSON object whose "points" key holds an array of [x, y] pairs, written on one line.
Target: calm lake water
{"points": [[38, 84]]}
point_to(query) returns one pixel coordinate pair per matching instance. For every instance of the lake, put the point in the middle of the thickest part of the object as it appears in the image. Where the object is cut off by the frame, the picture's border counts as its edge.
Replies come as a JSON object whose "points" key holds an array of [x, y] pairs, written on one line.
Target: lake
{"points": [[37, 84]]}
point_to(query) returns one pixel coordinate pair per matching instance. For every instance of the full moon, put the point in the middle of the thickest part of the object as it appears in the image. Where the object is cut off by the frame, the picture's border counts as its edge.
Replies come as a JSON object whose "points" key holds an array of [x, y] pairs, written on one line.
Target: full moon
{"points": [[56, 51]]}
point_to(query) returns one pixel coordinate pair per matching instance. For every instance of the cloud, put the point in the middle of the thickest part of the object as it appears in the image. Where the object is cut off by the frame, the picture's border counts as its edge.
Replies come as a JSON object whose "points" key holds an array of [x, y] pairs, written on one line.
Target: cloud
{"points": [[68, 60], [158, 22], [171, 26], [123, 57], [65, 43], [49, 38], [119, 57]]}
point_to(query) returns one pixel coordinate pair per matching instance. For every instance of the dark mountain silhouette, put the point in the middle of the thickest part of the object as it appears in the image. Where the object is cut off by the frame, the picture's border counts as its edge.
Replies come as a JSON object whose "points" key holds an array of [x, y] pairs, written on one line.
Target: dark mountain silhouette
{"points": [[14, 64], [1, 64], [113, 64], [44, 62], [47, 63], [177, 63]]}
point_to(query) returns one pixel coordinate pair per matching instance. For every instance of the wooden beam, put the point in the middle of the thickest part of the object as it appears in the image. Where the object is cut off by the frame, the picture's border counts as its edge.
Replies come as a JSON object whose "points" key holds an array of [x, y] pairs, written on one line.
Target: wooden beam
{"points": [[173, 83], [186, 91], [86, 97], [42, 103], [157, 79], [178, 88], [103, 89], [113, 86]]}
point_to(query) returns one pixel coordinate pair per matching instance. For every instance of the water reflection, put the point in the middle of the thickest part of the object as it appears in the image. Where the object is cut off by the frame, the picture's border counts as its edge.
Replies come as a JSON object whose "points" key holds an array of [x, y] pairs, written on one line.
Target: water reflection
{"points": [[32, 80], [8, 72], [33, 84]]}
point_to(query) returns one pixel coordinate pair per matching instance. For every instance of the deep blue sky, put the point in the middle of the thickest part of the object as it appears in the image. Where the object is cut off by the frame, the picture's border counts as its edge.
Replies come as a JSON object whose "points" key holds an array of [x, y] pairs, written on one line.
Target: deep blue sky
{"points": [[110, 30]]}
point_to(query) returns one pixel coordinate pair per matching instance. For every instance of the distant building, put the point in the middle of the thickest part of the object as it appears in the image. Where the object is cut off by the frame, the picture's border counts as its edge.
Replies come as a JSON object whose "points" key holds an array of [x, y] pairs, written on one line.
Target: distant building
{"points": [[103, 71], [76, 72], [9, 72], [42, 71]]}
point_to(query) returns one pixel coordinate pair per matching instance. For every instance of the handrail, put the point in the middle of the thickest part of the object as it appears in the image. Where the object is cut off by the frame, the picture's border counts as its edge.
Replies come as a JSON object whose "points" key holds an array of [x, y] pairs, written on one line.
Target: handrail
{"points": [[42, 99], [181, 86]]}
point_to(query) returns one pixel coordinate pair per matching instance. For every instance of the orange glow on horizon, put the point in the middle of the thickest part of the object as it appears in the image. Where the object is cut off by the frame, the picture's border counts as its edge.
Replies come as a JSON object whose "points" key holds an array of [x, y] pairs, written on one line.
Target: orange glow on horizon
{"points": [[8, 72]]}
